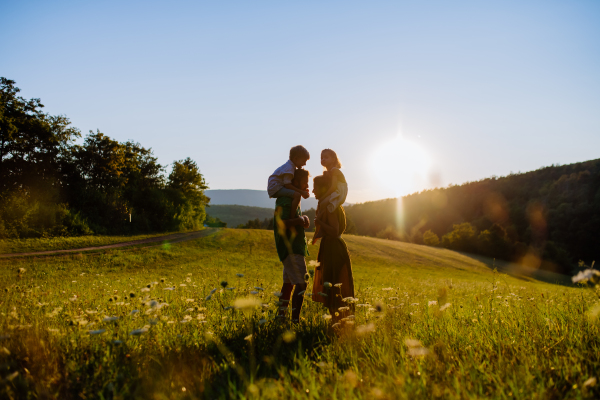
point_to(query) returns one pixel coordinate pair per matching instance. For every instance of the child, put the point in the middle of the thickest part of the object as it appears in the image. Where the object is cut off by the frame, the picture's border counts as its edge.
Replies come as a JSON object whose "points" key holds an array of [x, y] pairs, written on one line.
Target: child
{"points": [[338, 190], [280, 182], [291, 245]]}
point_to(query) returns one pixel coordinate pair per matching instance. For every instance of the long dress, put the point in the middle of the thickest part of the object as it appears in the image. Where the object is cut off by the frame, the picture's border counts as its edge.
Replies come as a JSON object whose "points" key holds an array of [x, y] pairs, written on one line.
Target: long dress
{"points": [[334, 267]]}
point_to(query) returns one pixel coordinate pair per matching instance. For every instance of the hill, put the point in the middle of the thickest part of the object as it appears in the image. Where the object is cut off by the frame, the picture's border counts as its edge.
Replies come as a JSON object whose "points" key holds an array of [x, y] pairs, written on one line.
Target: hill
{"points": [[549, 218], [235, 215], [250, 198]]}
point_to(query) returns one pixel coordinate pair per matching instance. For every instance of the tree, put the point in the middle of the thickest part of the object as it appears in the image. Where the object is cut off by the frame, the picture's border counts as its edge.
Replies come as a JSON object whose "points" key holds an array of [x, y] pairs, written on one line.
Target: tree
{"points": [[430, 238]]}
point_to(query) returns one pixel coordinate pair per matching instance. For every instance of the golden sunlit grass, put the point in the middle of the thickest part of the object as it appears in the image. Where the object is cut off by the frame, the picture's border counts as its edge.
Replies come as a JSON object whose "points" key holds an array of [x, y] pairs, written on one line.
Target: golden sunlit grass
{"points": [[196, 320]]}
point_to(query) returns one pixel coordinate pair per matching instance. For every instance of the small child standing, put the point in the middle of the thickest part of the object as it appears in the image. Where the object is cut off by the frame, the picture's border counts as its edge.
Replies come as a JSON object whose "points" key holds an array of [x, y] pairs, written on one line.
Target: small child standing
{"points": [[280, 182], [338, 190]]}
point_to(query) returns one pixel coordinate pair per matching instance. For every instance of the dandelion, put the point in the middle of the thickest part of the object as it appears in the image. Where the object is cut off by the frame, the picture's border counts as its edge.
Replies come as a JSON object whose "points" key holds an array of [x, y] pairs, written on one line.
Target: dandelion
{"points": [[239, 275], [445, 306], [97, 332]]}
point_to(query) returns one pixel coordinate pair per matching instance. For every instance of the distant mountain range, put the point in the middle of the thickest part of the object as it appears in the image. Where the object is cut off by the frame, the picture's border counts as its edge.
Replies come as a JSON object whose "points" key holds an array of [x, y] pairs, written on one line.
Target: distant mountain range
{"points": [[252, 198]]}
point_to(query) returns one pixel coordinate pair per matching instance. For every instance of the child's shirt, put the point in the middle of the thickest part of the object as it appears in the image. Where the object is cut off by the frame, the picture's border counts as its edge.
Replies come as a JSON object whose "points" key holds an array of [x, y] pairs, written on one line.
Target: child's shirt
{"points": [[282, 176], [338, 197]]}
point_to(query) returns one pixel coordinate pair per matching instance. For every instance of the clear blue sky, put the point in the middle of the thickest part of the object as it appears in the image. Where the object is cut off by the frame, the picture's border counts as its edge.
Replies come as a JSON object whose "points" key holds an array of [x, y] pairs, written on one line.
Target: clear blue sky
{"points": [[483, 88]]}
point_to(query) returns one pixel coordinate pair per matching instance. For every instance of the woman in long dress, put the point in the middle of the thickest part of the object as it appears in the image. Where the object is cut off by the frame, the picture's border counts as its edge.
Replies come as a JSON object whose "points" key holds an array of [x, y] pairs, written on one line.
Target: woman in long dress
{"points": [[333, 284]]}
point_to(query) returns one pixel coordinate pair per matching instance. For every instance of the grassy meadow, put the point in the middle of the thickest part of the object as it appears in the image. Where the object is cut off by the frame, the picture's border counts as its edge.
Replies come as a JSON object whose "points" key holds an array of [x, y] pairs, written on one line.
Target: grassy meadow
{"points": [[160, 323]]}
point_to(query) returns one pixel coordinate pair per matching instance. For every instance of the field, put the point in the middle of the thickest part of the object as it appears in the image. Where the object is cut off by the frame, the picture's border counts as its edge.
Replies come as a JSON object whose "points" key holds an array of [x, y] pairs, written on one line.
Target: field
{"points": [[235, 215], [430, 323]]}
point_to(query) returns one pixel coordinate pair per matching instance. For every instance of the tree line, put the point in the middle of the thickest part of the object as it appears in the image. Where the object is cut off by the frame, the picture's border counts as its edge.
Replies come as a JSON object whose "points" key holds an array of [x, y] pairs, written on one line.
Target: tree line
{"points": [[52, 186], [548, 218]]}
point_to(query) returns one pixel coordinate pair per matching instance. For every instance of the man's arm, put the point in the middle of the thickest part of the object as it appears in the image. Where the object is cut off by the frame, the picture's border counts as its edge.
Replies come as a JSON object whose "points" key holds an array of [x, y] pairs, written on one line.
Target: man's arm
{"points": [[302, 220]]}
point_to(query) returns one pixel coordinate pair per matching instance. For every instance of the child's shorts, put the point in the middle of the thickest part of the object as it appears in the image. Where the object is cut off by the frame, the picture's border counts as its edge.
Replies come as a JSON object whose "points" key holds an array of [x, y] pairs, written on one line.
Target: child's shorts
{"points": [[294, 269], [284, 192]]}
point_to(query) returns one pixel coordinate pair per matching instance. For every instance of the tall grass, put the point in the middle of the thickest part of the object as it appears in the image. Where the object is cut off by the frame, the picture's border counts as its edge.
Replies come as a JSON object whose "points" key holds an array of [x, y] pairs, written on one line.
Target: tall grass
{"points": [[434, 327]]}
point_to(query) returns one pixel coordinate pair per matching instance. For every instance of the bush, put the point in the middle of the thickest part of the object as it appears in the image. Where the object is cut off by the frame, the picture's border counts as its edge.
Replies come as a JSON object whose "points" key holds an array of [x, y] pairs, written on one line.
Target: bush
{"points": [[431, 239]]}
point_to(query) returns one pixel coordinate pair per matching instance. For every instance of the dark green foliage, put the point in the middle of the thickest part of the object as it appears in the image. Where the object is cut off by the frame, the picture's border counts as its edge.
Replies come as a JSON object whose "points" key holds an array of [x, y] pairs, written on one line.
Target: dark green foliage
{"points": [[552, 214], [50, 186]]}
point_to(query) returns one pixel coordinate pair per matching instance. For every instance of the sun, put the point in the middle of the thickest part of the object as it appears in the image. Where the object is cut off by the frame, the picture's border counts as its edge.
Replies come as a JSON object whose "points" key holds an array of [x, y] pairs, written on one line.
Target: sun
{"points": [[401, 166]]}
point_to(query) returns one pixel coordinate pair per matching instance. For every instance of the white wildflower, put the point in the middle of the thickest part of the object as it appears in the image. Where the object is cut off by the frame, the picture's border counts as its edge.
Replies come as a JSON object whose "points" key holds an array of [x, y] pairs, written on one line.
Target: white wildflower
{"points": [[338, 285], [364, 329], [246, 303], [326, 317], [432, 303], [445, 306]]}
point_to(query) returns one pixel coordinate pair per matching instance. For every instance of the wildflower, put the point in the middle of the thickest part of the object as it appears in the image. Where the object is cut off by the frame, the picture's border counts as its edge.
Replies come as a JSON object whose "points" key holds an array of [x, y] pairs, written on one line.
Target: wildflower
{"points": [[364, 329], [137, 332], [415, 348], [98, 332], [313, 263], [343, 308], [189, 300], [349, 300], [200, 317], [327, 317], [21, 271], [588, 274], [445, 306], [590, 382], [239, 275], [350, 322], [170, 288], [247, 303], [336, 325], [288, 336], [182, 285], [12, 376], [387, 288], [249, 338], [144, 289], [432, 303], [338, 285], [327, 285], [224, 284]]}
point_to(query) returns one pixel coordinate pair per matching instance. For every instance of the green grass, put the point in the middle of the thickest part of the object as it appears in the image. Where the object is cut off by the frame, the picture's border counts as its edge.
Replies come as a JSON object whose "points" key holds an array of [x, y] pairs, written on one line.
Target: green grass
{"points": [[502, 337], [65, 243]]}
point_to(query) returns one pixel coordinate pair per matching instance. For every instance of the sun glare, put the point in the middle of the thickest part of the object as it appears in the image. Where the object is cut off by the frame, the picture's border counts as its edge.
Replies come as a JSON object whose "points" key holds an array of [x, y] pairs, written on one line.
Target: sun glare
{"points": [[401, 166]]}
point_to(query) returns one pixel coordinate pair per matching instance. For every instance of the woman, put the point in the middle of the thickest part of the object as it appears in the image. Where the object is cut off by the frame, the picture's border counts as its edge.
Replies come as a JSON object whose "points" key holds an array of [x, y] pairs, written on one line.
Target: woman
{"points": [[333, 280]]}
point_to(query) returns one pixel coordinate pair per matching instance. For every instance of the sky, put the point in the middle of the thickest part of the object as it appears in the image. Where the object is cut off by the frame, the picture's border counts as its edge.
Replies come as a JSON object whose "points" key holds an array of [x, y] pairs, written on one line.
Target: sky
{"points": [[411, 95]]}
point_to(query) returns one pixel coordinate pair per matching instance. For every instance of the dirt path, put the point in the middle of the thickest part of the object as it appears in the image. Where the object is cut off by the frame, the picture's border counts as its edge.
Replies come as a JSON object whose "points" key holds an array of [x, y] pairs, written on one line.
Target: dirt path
{"points": [[173, 238]]}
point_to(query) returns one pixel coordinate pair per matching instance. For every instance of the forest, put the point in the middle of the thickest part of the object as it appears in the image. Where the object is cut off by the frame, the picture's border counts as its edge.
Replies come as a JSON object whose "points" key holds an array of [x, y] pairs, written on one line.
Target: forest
{"points": [[52, 186]]}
